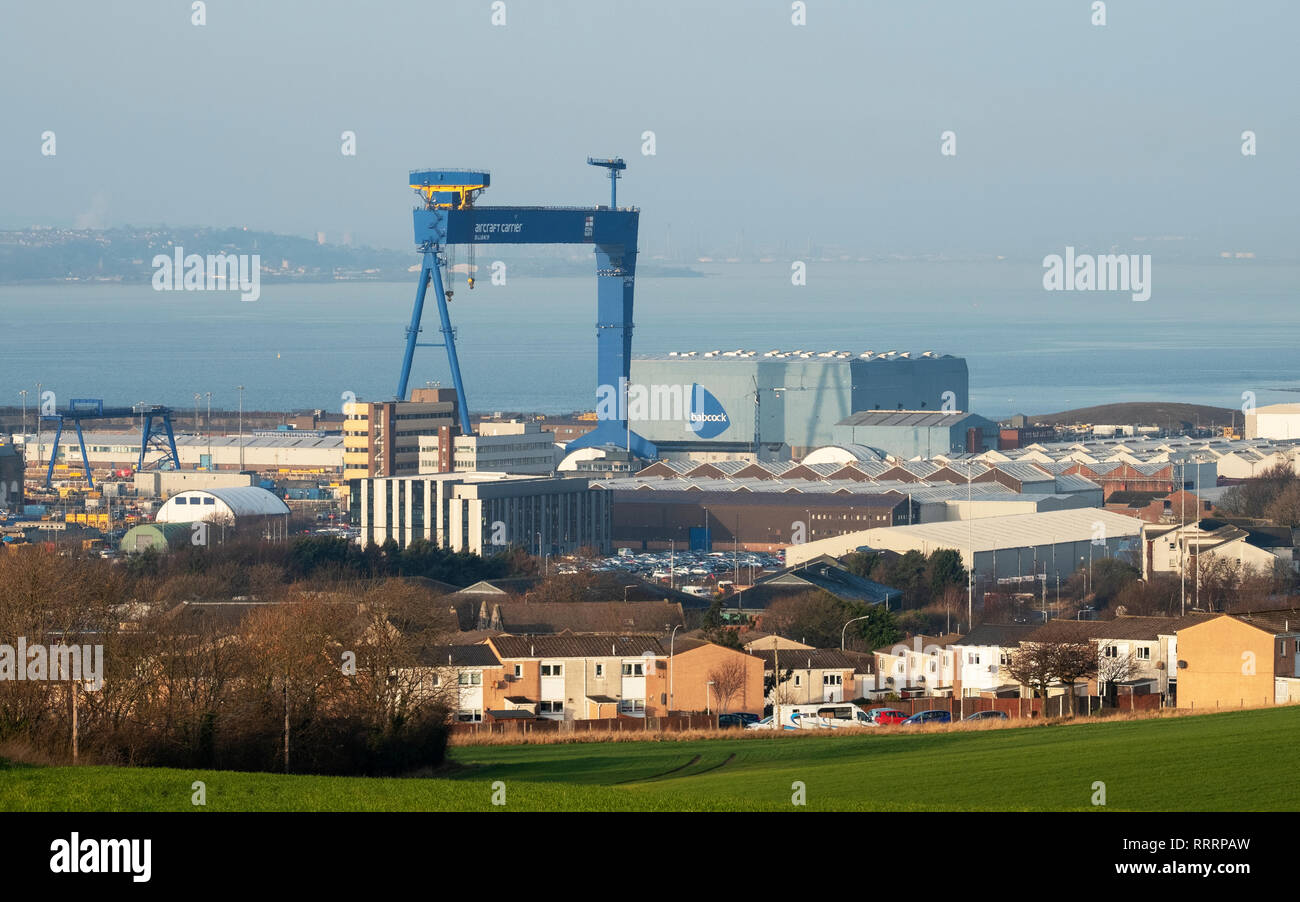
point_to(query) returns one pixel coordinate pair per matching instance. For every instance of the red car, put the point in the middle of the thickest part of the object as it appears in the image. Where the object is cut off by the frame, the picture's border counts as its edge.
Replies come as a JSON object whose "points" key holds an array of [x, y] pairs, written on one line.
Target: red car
{"points": [[888, 717]]}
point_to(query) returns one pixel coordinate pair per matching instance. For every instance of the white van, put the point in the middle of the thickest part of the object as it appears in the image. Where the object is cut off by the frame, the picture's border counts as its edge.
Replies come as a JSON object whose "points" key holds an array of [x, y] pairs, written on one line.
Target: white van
{"points": [[697, 591], [828, 715]]}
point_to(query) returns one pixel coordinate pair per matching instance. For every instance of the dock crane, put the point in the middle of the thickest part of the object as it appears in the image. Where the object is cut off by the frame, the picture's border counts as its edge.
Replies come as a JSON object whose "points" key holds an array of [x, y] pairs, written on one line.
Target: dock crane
{"points": [[448, 216], [155, 433]]}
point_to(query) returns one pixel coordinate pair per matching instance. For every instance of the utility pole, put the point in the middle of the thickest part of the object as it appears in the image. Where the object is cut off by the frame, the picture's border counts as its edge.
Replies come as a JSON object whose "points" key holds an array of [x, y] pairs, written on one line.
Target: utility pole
{"points": [[40, 405], [23, 392], [241, 427], [209, 430], [970, 549]]}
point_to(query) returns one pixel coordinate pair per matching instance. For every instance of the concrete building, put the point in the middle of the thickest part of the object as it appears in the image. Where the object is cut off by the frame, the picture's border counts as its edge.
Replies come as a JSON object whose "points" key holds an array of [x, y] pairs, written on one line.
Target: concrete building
{"points": [[165, 483], [11, 477], [281, 451], [509, 446], [382, 438], [1238, 661], [483, 512], [908, 433], [766, 505], [795, 396], [1005, 550], [1274, 421]]}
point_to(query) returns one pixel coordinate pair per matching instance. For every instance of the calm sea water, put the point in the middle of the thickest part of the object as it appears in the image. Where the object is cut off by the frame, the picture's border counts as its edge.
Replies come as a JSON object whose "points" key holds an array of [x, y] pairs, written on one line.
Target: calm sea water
{"points": [[1208, 334]]}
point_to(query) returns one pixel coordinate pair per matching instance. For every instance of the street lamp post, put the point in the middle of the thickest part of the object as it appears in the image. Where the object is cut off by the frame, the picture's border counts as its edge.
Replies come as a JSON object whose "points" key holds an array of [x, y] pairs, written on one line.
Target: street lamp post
{"points": [[708, 702], [625, 588], [39, 405], [846, 626], [241, 427], [671, 639], [23, 392]]}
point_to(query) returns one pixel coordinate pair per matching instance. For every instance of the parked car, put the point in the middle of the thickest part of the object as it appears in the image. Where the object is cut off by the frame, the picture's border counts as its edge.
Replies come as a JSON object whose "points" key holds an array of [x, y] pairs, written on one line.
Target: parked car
{"points": [[764, 724], [987, 715], [924, 717], [741, 719], [886, 716]]}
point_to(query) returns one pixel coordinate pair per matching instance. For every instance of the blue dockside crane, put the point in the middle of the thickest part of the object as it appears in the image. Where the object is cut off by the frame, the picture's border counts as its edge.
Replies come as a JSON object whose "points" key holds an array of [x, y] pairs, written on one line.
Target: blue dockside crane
{"points": [[155, 433], [448, 217]]}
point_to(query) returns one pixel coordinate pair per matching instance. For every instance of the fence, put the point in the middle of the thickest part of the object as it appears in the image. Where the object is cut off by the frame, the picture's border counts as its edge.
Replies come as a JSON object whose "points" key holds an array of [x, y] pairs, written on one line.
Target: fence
{"points": [[674, 723], [1057, 706]]}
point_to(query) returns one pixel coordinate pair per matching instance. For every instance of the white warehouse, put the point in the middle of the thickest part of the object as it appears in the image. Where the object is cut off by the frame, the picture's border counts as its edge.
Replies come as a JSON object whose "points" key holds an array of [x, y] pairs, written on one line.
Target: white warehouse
{"points": [[1005, 549]]}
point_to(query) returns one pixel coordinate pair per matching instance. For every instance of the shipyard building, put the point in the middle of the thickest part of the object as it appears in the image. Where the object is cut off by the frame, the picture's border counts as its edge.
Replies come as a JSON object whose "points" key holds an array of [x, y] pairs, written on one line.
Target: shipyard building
{"points": [[777, 403]]}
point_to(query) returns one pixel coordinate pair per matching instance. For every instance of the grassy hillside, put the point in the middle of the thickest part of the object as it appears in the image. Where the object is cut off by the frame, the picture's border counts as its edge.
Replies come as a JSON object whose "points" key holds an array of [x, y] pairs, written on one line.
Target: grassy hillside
{"points": [[1237, 761], [1164, 414]]}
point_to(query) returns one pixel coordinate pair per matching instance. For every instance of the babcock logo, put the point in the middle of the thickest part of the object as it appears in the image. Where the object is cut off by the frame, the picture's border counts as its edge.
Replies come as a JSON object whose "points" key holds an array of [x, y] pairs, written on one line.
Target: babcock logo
{"points": [[693, 405], [708, 419]]}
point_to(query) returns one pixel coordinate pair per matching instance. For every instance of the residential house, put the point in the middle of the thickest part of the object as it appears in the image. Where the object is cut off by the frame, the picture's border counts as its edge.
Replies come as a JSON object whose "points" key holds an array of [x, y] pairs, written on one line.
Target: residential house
{"points": [[1135, 652], [1235, 661], [465, 674], [704, 676], [921, 665], [982, 657], [813, 676], [578, 677], [1169, 548]]}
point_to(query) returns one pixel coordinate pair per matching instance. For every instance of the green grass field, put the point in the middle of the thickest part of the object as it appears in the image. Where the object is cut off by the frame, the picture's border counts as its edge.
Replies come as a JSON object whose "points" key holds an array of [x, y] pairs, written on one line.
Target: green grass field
{"points": [[1242, 761]]}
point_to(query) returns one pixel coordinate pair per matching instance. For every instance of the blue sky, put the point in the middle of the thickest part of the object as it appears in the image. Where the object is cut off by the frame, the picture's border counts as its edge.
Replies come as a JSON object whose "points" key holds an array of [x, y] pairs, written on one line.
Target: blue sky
{"points": [[829, 133]]}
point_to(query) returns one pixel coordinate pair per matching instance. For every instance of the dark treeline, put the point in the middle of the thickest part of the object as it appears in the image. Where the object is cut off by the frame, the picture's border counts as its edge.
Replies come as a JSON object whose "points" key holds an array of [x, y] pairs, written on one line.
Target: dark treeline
{"points": [[337, 674]]}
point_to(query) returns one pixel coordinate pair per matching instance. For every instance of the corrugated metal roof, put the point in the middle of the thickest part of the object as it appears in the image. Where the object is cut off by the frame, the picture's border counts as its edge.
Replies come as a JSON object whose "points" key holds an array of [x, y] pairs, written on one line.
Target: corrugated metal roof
{"points": [[917, 418]]}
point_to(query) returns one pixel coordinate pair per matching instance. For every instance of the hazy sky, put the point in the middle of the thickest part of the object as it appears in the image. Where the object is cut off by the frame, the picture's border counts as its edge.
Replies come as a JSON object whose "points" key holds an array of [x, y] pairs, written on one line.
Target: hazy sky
{"points": [[830, 132]]}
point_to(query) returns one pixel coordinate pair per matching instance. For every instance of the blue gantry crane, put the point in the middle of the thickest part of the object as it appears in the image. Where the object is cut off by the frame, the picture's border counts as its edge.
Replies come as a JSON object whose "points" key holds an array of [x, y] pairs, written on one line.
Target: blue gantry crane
{"points": [[448, 217], [155, 433]]}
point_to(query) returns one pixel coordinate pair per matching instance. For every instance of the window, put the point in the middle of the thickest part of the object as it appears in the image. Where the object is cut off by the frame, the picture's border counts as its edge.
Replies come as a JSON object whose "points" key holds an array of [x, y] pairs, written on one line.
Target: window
{"points": [[600, 670], [519, 670], [1110, 651], [471, 678], [933, 666], [552, 670], [632, 705], [180, 500], [469, 716], [796, 680], [1143, 653], [832, 679], [555, 707], [633, 668], [209, 500], [1006, 658]]}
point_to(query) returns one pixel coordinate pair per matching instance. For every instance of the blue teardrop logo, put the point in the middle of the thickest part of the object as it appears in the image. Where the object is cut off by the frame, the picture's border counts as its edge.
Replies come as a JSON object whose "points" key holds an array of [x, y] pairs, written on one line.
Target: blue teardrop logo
{"points": [[706, 417]]}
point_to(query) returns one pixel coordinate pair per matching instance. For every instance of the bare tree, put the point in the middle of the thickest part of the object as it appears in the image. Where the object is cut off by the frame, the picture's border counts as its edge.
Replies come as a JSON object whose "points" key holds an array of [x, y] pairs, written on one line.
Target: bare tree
{"points": [[728, 680], [1038, 665]]}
